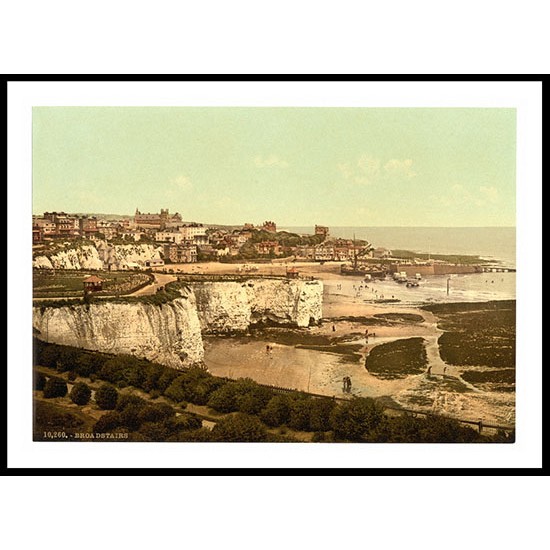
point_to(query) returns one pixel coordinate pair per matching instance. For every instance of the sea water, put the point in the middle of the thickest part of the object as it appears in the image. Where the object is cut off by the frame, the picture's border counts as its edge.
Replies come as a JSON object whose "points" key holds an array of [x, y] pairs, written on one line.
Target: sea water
{"points": [[493, 243], [497, 244], [474, 287]]}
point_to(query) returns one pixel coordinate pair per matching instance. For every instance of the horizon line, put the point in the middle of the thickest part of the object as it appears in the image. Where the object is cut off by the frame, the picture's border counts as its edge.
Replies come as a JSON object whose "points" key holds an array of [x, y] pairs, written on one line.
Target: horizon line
{"points": [[296, 225]]}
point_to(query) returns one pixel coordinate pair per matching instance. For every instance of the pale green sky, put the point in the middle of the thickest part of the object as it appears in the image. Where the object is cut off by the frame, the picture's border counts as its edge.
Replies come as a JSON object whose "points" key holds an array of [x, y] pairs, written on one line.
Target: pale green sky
{"points": [[296, 166]]}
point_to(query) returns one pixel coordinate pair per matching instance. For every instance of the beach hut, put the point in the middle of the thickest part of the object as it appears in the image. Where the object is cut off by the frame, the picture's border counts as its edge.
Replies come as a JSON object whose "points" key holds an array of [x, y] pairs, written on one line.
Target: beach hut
{"points": [[93, 284], [292, 273]]}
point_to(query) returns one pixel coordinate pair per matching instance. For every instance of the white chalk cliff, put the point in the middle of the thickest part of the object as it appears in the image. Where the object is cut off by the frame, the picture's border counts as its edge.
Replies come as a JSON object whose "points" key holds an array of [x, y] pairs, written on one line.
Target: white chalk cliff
{"points": [[235, 306], [171, 333], [100, 255], [82, 257]]}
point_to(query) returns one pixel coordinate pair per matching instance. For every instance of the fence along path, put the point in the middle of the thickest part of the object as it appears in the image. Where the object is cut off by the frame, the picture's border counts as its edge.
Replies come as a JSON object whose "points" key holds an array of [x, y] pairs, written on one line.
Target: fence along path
{"points": [[414, 412]]}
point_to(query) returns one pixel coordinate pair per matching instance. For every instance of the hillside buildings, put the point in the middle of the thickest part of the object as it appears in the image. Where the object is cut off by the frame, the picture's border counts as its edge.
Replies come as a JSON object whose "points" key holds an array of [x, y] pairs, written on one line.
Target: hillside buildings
{"points": [[270, 226], [156, 221], [180, 253], [169, 237], [321, 230], [272, 248], [340, 250], [63, 226], [180, 242]]}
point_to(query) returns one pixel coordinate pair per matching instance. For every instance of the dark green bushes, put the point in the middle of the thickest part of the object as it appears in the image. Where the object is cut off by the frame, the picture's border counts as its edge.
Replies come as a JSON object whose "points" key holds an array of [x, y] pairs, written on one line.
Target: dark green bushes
{"points": [[431, 429], [299, 411], [354, 420], [277, 410], [66, 358], [146, 421], [55, 387], [243, 395], [50, 417], [80, 394], [195, 386], [239, 428], [39, 380], [106, 397], [108, 422], [255, 406]]}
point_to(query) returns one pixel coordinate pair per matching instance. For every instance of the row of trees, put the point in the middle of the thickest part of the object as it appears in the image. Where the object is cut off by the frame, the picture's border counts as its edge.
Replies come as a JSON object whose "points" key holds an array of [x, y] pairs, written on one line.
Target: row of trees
{"points": [[54, 386], [254, 408]]}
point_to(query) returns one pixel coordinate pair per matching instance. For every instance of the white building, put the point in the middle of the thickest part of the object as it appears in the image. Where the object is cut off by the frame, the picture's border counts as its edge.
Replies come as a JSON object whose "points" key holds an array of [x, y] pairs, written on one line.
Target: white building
{"points": [[191, 231], [169, 237]]}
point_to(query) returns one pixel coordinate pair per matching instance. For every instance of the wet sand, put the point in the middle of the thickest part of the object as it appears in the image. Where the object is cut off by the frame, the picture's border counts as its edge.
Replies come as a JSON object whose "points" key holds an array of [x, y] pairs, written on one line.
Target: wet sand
{"points": [[321, 372]]}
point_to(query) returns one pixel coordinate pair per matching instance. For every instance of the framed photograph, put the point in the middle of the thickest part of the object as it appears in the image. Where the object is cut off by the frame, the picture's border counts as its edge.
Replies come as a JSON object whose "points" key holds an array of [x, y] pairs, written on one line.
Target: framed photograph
{"points": [[282, 272]]}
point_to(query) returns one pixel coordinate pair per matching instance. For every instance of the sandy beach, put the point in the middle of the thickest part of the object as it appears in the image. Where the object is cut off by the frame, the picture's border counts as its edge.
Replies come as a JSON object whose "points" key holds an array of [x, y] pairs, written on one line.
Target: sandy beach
{"points": [[348, 304]]}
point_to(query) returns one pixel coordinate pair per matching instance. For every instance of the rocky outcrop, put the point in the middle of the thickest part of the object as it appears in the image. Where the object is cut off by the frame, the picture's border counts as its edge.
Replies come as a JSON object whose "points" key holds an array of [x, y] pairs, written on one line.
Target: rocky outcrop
{"points": [[171, 333], [235, 306], [100, 255]]}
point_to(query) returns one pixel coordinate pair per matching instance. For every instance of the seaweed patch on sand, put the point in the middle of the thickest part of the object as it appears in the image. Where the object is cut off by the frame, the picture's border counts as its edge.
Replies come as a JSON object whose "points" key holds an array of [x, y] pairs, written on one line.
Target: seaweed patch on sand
{"points": [[397, 359], [480, 335]]}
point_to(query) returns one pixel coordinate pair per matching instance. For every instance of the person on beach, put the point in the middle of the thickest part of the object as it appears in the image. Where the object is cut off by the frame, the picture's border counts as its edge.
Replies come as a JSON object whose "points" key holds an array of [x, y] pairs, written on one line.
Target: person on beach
{"points": [[333, 328]]}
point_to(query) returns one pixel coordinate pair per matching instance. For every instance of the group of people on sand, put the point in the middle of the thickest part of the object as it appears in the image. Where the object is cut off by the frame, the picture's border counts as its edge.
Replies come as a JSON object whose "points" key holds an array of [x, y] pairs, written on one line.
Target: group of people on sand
{"points": [[346, 384]]}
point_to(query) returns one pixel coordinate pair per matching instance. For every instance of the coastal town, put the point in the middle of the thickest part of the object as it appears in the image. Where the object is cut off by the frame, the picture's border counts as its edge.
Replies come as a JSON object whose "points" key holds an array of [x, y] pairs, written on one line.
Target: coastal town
{"points": [[179, 242], [298, 311], [297, 275], [189, 242]]}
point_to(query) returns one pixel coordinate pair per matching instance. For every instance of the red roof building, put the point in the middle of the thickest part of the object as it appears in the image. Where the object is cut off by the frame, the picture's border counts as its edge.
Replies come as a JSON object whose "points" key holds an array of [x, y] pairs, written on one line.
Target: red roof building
{"points": [[93, 283]]}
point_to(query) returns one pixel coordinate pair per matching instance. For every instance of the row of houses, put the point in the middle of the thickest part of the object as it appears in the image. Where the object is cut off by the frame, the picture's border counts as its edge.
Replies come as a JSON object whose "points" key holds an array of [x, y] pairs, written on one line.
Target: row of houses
{"points": [[179, 242], [333, 250], [184, 242], [53, 225], [184, 233]]}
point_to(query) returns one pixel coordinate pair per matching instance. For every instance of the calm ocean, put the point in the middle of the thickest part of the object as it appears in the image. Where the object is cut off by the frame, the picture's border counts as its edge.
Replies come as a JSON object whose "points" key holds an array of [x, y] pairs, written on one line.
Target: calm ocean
{"points": [[496, 243]]}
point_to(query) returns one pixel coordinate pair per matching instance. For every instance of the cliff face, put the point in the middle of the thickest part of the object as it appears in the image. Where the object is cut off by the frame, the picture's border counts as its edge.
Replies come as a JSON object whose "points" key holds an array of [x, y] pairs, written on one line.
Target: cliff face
{"points": [[124, 256], [171, 333], [83, 257], [234, 306], [100, 256]]}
